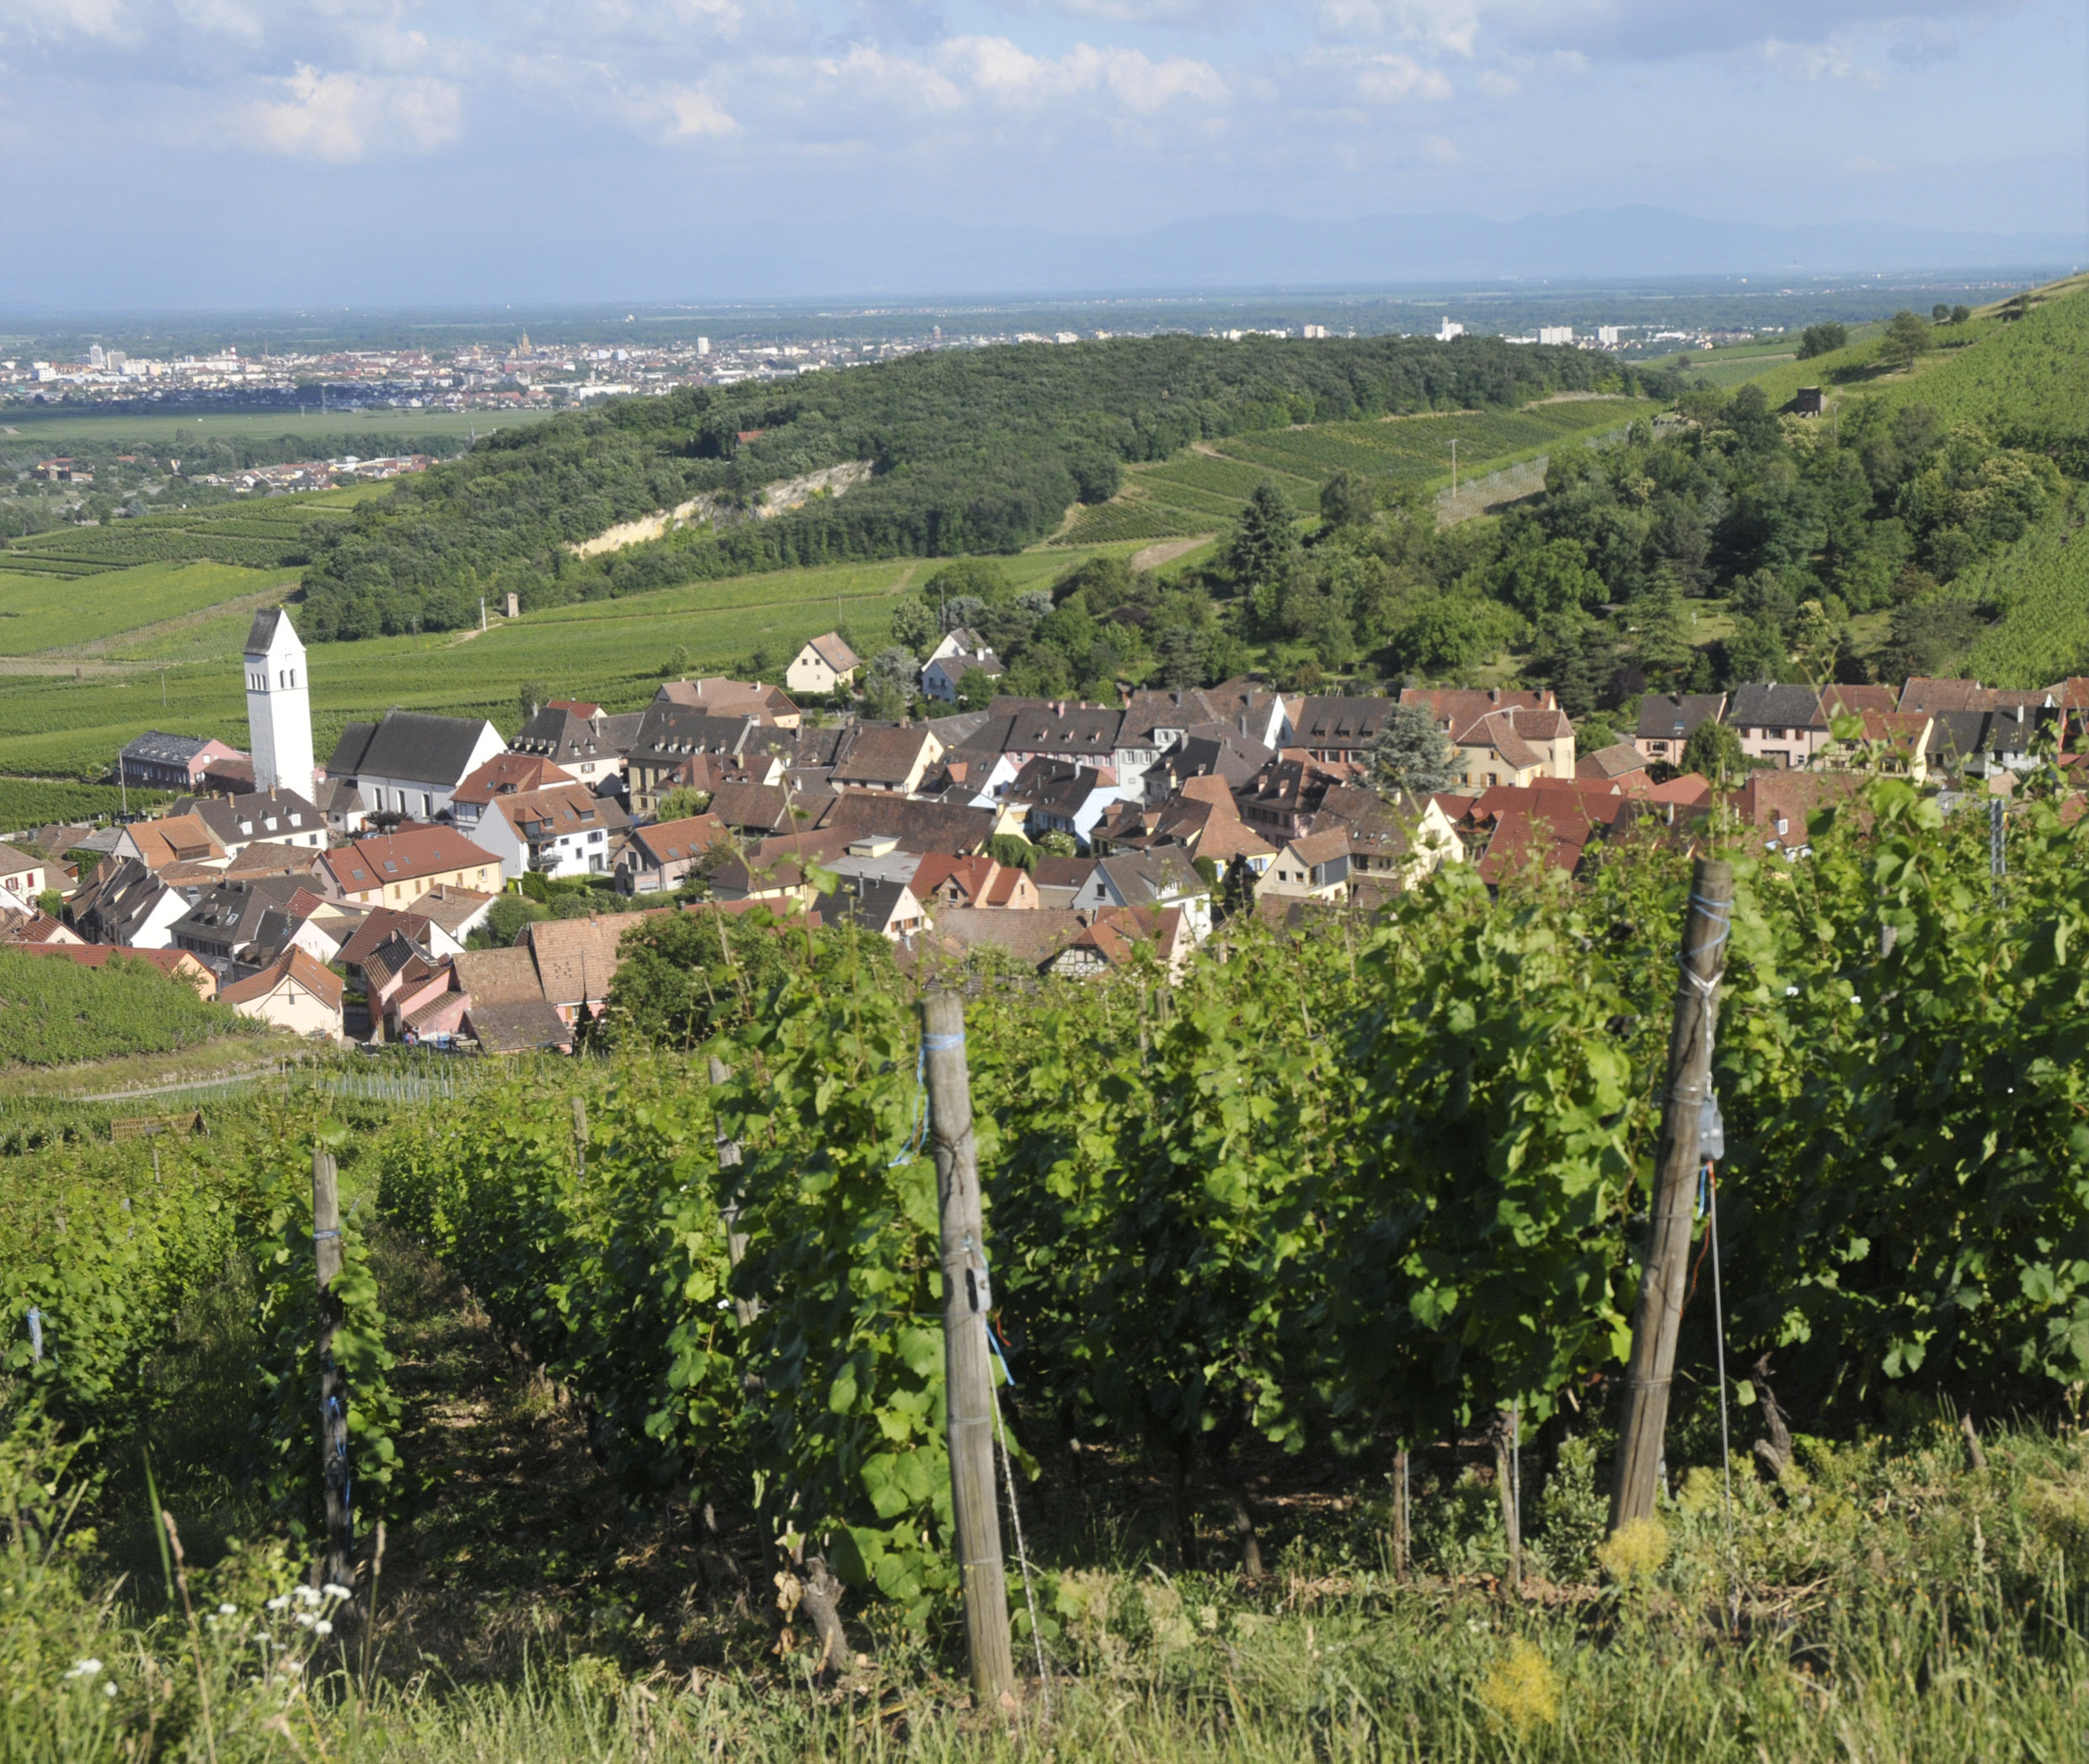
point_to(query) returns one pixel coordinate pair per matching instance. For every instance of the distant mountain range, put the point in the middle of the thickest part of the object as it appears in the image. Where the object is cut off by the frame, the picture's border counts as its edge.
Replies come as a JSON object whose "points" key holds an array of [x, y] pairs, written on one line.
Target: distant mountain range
{"points": [[1272, 251]]}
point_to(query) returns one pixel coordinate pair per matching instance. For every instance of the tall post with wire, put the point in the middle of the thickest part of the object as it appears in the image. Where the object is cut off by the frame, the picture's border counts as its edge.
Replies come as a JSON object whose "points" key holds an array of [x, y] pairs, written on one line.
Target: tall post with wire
{"points": [[326, 1249], [1657, 1315], [968, 1369]]}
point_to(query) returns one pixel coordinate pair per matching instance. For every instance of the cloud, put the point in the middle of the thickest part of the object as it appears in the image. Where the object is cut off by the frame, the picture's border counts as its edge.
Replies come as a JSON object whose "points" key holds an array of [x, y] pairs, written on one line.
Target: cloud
{"points": [[969, 71], [340, 116], [1390, 79], [1497, 84], [106, 21]]}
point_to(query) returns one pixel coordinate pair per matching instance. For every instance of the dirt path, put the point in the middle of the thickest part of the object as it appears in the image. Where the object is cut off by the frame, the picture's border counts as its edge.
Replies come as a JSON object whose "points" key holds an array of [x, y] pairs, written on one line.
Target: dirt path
{"points": [[515, 1542], [1166, 550]]}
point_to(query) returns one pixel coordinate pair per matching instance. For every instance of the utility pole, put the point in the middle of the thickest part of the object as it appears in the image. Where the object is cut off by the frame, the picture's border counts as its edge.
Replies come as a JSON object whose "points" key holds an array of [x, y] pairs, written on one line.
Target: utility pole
{"points": [[1657, 1317], [1454, 466], [326, 1249], [123, 785], [968, 1369]]}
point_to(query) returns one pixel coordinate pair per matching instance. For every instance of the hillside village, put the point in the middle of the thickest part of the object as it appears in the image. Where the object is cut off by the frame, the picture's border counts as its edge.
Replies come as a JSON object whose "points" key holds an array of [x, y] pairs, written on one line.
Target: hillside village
{"points": [[432, 884]]}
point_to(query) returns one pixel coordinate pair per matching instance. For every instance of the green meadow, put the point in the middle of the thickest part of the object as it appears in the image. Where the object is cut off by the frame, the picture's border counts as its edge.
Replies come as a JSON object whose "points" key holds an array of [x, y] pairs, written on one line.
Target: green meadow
{"points": [[76, 424]]}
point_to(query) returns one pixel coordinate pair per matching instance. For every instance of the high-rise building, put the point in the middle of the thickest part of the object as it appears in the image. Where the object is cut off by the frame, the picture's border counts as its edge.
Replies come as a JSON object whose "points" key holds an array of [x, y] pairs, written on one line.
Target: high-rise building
{"points": [[1447, 330], [703, 345], [1555, 334], [279, 705], [1606, 334]]}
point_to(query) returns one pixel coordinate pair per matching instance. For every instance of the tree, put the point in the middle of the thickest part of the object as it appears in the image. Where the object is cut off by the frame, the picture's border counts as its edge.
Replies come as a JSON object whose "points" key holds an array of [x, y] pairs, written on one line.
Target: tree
{"points": [[1347, 499], [1960, 314], [1822, 339], [1941, 313], [1410, 755], [914, 626], [977, 579], [676, 666], [1448, 635], [1537, 579], [50, 903], [531, 696], [1012, 851], [1906, 337], [976, 689], [1263, 550], [889, 683], [1714, 750], [681, 802]]}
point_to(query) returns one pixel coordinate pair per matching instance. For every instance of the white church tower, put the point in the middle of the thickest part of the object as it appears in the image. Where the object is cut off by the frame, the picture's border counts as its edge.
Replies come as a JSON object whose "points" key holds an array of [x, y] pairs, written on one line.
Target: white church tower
{"points": [[279, 705]]}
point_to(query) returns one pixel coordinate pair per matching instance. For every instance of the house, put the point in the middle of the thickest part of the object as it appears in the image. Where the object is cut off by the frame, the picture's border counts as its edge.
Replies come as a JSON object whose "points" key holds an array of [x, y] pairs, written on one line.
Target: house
{"points": [[1618, 763], [656, 859], [823, 666], [1075, 734], [502, 775], [1312, 867], [519, 1026], [669, 735], [396, 870], [175, 963], [1454, 708], [576, 959], [294, 992], [886, 757], [23, 875], [30, 927], [342, 806], [127, 904], [582, 740], [1337, 730], [225, 920], [435, 941], [282, 816], [1780, 724], [410, 763], [1164, 877], [1516, 746], [961, 652], [718, 696], [1114, 939], [162, 762], [1808, 401], [1157, 723], [1896, 742], [1392, 845], [1058, 798], [1776, 804], [1281, 800], [942, 881], [1667, 720], [920, 827], [171, 839], [754, 811], [873, 904], [562, 830]]}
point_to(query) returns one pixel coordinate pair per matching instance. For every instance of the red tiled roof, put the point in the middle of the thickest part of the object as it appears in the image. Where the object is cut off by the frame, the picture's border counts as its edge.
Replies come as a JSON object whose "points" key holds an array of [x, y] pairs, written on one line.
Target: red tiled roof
{"points": [[367, 863], [292, 965]]}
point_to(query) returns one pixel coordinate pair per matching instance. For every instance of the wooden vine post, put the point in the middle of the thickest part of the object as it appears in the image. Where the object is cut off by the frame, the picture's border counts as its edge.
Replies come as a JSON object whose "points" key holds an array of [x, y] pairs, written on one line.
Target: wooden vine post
{"points": [[1657, 1315], [728, 1157], [326, 1249], [968, 1371]]}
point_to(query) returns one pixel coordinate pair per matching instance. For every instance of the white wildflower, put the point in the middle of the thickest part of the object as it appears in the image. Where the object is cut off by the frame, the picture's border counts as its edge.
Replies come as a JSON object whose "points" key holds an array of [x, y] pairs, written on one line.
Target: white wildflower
{"points": [[228, 1610], [306, 1595], [280, 1604], [334, 1589], [306, 1619], [320, 1626], [1790, 992], [109, 1687], [84, 1668]]}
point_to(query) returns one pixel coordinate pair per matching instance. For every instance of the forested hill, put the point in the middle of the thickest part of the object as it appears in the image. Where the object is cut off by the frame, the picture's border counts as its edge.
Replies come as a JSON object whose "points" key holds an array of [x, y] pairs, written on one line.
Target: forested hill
{"points": [[974, 451]]}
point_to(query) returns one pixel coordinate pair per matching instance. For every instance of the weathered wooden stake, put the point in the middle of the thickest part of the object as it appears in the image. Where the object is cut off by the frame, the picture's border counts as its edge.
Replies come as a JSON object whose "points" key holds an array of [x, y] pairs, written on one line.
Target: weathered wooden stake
{"points": [[580, 1135], [967, 1371], [326, 1249], [1658, 1314], [1402, 1521], [745, 1309], [1503, 1433]]}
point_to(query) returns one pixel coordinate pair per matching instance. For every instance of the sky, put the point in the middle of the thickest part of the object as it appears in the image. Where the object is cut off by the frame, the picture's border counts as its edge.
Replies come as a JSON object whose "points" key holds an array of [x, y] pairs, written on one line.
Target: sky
{"points": [[157, 153]]}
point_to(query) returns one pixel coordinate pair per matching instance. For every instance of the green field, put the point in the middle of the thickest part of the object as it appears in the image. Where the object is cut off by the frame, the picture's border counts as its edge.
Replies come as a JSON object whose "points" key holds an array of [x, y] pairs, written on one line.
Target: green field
{"points": [[2042, 585], [611, 651], [261, 535], [1203, 491], [39, 613], [85, 424]]}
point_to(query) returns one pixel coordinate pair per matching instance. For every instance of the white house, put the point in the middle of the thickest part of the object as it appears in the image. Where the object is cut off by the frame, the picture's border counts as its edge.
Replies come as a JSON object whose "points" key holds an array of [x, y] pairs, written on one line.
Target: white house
{"points": [[960, 653], [294, 992], [22, 877], [279, 705], [561, 830], [411, 763], [824, 663]]}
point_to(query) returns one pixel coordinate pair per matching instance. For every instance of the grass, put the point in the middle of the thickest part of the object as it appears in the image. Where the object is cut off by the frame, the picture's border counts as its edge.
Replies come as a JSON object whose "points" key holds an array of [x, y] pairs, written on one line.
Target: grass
{"points": [[267, 534], [2042, 585], [611, 651], [37, 614], [53, 1012], [71, 424], [213, 1062]]}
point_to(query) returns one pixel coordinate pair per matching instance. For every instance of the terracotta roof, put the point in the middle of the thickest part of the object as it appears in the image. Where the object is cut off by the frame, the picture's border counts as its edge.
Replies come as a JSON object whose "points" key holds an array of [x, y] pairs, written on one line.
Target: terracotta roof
{"points": [[837, 654], [557, 810], [1497, 732], [497, 977], [1922, 693], [1458, 706], [173, 839], [918, 827], [764, 806], [1854, 701], [505, 773], [1619, 760], [379, 927], [886, 755], [577, 958], [730, 698], [672, 842], [367, 863], [451, 907], [292, 967], [969, 877], [1314, 848]]}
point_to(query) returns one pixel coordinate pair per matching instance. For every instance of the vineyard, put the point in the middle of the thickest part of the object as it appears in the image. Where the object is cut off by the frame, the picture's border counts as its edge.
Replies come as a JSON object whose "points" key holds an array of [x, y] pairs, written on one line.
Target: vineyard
{"points": [[53, 1012], [2041, 585], [29, 803], [1344, 1198], [1204, 490], [269, 535]]}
